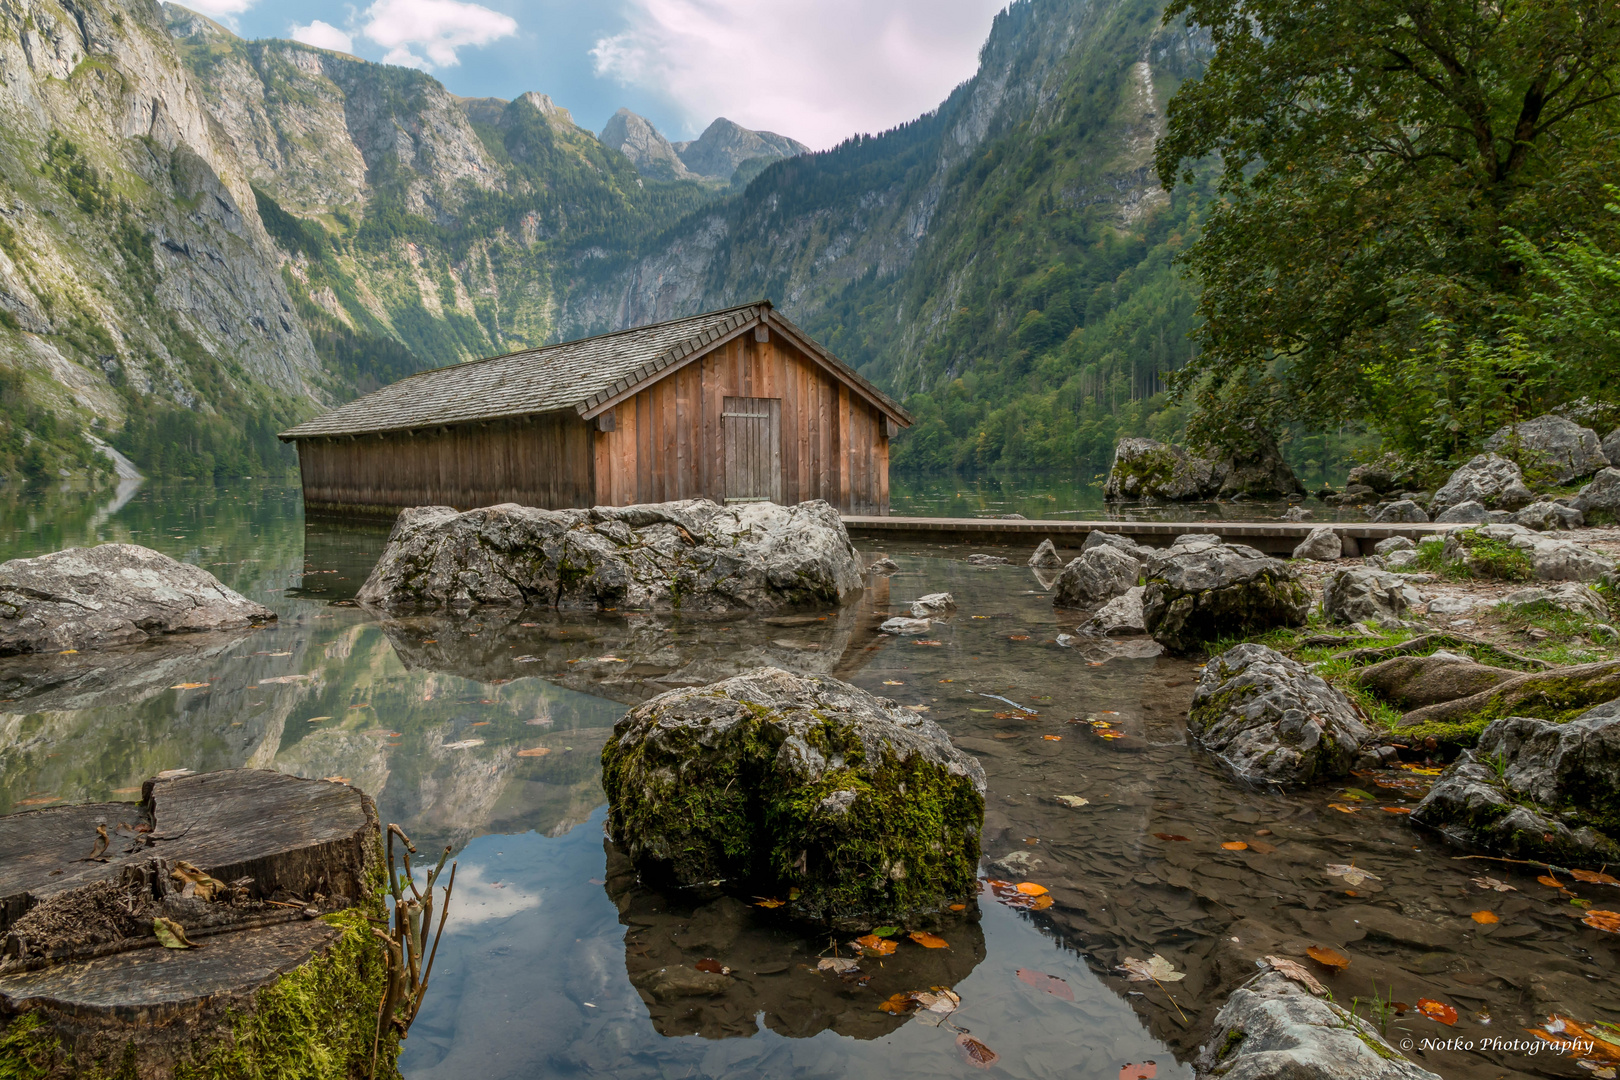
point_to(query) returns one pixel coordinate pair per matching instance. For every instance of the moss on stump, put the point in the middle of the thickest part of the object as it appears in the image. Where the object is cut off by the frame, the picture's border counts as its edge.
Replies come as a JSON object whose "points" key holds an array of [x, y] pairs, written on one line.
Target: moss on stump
{"points": [[801, 788]]}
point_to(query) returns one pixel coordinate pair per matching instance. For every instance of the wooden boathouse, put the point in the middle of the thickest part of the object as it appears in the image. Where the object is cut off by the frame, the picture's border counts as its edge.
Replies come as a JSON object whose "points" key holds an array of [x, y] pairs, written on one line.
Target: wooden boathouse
{"points": [[735, 405]]}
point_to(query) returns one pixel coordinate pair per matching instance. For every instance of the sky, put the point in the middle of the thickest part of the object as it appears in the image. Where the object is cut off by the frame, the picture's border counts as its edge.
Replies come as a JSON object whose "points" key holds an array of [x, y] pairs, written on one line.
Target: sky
{"points": [[815, 70]]}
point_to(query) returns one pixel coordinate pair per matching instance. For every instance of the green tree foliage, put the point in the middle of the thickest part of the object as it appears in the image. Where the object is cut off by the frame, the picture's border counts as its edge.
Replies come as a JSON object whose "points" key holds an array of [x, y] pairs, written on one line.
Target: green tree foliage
{"points": [[1373, 156]]}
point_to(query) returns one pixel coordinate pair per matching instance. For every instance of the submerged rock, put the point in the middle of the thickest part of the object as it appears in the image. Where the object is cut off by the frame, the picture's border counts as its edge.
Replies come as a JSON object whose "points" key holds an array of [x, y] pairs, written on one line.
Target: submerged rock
{"points": [[1200, 589], [692, 555], [1046, 557], [1269, 720], [902, 625], [1095, 577], [980, 559], [1551, 445], [1274, 1029], [1361, 593], [884, 566], [932, 605], [1535, 789], [1489, 479], [112, 594], [780, 784]]}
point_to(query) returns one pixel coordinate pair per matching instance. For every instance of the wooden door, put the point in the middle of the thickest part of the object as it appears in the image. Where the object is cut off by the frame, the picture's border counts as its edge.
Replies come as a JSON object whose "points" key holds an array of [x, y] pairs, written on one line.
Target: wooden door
{"points": [[752, 430]]}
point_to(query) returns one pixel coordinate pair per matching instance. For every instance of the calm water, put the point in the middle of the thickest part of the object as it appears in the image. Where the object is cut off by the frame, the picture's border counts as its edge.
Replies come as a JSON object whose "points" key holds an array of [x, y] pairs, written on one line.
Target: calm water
{"points": [[485, 733]]}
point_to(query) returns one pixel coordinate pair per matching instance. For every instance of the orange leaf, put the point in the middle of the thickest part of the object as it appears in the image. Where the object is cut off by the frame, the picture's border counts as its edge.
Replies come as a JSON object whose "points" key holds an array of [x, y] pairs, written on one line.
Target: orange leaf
{"points": [[1485, 918], [188, 686], [1148, 1070], [958, 907], [1550, 881], [975, 1053], [1166, 836], [927, 940], [1592, 877], [1328, 958], [876, 944], [898, 1003], [1342, 808], [1029, 888], [713, 967], [1052, 738], [1397, 809], [1437, 1010], [534, 751], [766, 903], [1607, 921], [1235, 845], [1041, 903]]}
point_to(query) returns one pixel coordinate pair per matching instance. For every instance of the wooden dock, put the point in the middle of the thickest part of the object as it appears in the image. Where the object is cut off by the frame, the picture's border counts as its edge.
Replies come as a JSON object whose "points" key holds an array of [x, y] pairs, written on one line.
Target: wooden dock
{"points": [[1274, 537]]}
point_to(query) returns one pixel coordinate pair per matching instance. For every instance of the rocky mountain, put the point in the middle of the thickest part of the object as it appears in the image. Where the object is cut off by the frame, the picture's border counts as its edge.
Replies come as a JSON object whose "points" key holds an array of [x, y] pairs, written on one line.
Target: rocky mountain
{"points": [[204, 238]]}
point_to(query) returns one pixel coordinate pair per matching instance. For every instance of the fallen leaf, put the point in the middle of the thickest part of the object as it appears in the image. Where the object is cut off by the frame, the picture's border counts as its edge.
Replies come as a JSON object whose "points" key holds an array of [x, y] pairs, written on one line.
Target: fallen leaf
{"points": [[1342, 808], [975, 1053], [534, 751], [171, 934], [1328, 958], [1550, 881], [1147, 1070], [1260, 847], [1396, 809], [921, 642], [958, 907], [1029, 888], [1017, 637], [927, 940], [1592, 877], [336, 779], [892, 682], [1290, 969], [1492, 884], [481, 723], [1073, 800], [1438, 1011], [766, 903], [880, 946], [1157, 969], [1050, 983], [1052, 738], [188, 686], [838, 965], [1607, 921], [1235, 845], [1352, 874], [1485, 918], [897, 1004], [1172, 837], [713, 967]]}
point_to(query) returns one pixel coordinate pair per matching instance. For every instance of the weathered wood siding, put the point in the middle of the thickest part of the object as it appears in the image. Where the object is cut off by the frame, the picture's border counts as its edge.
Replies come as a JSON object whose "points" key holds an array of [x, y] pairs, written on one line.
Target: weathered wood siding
{"points": [[538, 461], [667, 441]]}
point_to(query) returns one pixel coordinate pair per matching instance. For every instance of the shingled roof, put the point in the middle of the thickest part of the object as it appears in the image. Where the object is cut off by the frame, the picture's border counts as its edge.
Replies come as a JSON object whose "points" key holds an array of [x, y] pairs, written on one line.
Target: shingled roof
{"points": [[585, 375]]}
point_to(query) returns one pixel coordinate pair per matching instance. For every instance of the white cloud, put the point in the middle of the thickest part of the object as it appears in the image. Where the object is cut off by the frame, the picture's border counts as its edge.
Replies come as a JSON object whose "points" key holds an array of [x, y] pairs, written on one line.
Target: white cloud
{"points": [[323, 35], [223, 10], [425, 34], [815, 70]]}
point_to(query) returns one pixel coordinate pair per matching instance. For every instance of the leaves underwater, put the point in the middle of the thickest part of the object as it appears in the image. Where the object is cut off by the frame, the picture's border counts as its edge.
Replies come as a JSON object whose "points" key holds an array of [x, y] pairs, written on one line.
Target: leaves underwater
{"points": [[1607, 921], [927, 940], [1050, 983], [1157, 969], [1328, 958], [1437, 1011], [1592, 877], [1485, 918], [975, 1052]]}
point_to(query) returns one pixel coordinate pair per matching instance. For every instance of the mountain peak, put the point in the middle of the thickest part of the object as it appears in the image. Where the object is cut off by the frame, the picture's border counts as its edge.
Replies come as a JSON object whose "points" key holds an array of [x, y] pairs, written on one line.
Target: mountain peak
{"points": [[636, 138], [726, 144]]}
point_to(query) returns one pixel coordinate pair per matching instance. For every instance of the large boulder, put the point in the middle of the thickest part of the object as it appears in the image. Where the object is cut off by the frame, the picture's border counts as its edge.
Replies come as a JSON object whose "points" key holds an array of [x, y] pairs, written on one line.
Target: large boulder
{"points": [[1381, 476], [1261, 473], [1611, 446], [112, 594], [1489, 479], [1200, 589], [691, 555], [1411, 682], [804, 788], [1544, 515], [1268, 720], [1095, 577], [1534, 789], [1551, 695], [1149, 469], [1553, 446], [1274, 1029], [1361, 593], [1321, 545], [1599, 500]]}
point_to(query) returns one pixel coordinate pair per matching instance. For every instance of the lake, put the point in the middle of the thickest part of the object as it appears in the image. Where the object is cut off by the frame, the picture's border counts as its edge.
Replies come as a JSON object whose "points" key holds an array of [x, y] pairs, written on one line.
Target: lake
{"points": [[484, 732]]}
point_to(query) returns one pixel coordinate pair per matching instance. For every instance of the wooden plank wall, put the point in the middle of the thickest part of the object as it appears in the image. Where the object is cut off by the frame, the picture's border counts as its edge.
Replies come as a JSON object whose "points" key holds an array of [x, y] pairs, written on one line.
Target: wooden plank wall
{"points": [[541, 461], [667, 441]]}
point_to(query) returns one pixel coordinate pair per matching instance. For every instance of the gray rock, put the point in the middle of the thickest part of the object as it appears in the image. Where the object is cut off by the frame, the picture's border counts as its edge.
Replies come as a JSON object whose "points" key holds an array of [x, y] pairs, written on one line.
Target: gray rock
{"points": [[987, 560], [1380, 475], [1571, 596], [1402, 510], [1322, 545], [692, 555], [799, 785], [1544, 515], [112, 594], [1498, 517], [1274, 1029], [1553, 445], [1551, 558], [1359, 594], [1098, 538], [1096, 577], [902, 625], [1489, 479], [1600, 498], [1263, 473], [925, 607], [1198, 591], [1268, 720], [1611, 446], [1394, 543], [1401, 559], [1297, 513], [884, 567], [1149, 469], [1533, 789], [1470, 512], [1120, 617], [1411, 682], [1046, 557]]}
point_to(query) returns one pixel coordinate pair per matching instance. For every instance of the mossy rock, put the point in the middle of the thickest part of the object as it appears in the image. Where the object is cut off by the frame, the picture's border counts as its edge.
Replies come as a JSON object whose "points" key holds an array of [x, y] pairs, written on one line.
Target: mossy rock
{"points": [[1200, 592], [802, 788], [1558, 695]]}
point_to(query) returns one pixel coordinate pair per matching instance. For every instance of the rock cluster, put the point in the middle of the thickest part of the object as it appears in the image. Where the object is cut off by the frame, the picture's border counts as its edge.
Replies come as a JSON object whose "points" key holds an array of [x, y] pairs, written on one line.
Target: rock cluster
{"points": [[1200, 589], [1096, 576], [692, 555], [1488, 479], [1551, 445], [1481, 549], [112, 594], [1149, 469], [1268, 720], [1534, 789], [804, 788], [1360, 594]]}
